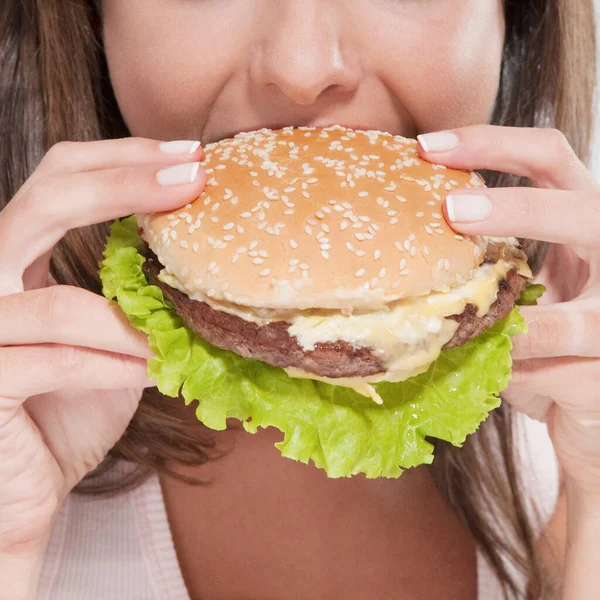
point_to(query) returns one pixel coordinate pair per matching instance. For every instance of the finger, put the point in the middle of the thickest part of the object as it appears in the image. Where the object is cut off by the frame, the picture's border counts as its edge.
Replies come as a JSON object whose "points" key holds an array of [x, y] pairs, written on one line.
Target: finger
{"points": [[548, 215], [29, 370], [69, 316], [39, 217], [554, 330], [572, 383], [534, 406], [542, 155], [70, 157]]}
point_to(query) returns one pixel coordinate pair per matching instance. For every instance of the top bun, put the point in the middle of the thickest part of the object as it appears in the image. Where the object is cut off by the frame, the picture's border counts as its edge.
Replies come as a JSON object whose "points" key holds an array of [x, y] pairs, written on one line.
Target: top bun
{"points": [[316, 218]]}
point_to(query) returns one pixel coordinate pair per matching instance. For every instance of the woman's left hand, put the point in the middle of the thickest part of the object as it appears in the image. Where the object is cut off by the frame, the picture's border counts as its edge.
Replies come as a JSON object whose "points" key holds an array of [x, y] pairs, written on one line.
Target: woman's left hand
{"points": [[556, 374]]}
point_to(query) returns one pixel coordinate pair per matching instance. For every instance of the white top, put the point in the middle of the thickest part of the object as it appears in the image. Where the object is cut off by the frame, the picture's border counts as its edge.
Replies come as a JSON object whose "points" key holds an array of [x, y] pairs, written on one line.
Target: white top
{"points": [[121, 548]]}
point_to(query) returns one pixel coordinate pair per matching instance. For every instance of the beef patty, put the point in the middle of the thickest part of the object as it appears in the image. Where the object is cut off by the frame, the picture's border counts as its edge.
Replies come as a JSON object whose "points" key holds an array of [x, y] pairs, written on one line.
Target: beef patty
{"points": [[273, 344]]}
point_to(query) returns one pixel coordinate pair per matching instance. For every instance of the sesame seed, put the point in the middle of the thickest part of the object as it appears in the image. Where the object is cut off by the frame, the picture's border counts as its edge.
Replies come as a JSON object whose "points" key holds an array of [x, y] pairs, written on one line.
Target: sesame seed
{"points": [[265, 272], [413, 251], [228, 227], [363, 194], [403, 264], [293, 244], [258, 261], [399, 246], [420, 214], [308, 230], [325, 254], [377, 254], [382, 273], [428, 229], [360, 273]]}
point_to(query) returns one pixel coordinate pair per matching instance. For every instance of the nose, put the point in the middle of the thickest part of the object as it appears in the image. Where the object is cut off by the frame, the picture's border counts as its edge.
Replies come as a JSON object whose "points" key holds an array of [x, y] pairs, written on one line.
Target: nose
{"points": [[303, 53]]}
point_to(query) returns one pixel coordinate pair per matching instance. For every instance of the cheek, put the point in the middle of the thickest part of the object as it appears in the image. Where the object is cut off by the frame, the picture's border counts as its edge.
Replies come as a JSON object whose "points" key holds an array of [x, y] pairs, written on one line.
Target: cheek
{"points": [[165, 83], [453, 73]]}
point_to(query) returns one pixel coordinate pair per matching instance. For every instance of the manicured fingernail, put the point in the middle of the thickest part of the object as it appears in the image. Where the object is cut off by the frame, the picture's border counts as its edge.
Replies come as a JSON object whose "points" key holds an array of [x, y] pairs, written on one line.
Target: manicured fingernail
{"points": [[179, 174], [440, 141], [466, 208], [180, 147]]}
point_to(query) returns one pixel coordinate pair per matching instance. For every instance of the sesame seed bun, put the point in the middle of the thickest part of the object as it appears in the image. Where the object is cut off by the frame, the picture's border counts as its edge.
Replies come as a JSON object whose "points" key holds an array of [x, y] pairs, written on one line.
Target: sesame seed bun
{"points": [[316, 218]]}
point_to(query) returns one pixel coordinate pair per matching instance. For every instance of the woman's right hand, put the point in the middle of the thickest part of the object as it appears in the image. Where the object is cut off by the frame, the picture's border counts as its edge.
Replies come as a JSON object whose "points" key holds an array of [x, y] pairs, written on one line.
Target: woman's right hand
{"points": [[72, 369]]}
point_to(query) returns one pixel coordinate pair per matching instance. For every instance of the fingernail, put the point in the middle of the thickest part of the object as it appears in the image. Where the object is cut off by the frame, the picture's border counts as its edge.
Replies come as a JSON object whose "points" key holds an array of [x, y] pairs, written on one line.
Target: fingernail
{"points": [[180, 147], [465, 208], [179, 174], [440, 141]]}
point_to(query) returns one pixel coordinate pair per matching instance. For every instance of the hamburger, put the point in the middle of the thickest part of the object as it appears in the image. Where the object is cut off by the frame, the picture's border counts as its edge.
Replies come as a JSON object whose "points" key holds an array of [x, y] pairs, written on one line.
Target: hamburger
{"points": [[315, 286]]}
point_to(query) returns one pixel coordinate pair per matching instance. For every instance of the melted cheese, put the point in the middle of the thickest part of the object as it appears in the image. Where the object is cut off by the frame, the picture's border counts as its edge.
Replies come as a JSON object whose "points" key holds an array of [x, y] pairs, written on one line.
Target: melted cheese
{"points": [[407, 336]]}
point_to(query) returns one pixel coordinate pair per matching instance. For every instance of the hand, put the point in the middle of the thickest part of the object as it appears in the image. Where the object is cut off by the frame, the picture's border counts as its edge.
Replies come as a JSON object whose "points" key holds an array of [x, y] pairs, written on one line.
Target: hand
{"points": [[556, 374], [72, 369]]}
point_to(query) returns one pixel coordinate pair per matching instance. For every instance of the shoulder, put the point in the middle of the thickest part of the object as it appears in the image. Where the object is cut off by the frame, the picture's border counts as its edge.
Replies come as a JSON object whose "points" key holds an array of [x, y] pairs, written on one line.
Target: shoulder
{"points": [[97, 549]]}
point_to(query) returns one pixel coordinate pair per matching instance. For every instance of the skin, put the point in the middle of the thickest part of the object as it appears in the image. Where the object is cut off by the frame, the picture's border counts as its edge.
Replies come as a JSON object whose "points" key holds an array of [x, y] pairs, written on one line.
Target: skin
{"points": [[232, 66]]}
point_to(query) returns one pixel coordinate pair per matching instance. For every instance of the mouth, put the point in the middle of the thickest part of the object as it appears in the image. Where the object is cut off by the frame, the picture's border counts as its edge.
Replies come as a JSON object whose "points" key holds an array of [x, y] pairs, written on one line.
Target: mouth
{"points": [[280, 125]]}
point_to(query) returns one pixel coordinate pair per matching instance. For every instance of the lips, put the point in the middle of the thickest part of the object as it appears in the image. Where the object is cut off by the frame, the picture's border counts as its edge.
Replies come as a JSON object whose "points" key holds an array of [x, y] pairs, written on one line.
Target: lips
{"points": [[280, 125]]}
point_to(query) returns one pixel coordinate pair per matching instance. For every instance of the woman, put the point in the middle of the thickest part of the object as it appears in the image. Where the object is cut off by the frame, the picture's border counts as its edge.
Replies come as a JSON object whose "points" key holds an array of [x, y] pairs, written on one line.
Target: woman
{"points": [[72, 371]]}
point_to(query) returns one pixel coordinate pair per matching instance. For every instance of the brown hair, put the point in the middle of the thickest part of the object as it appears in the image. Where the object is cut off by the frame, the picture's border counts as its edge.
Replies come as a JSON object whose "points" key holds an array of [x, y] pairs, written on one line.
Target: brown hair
{"points": [[54, 86]]}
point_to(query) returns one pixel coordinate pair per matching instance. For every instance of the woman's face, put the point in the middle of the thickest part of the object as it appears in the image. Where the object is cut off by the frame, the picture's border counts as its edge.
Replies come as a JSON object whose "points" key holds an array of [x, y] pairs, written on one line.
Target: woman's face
{"points": [[206, 69]]}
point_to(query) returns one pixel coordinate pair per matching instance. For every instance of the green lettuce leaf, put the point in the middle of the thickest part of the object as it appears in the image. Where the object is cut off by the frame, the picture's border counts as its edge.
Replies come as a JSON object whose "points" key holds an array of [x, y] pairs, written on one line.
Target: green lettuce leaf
{"points": [[530, 294], [341, 431]]}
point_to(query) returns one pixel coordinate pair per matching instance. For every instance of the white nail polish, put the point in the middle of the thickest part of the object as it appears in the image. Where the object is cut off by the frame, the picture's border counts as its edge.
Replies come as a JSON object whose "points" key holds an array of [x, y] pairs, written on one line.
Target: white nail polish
{"points": [[468, 208], [440, 141], [179, 174], [179, 147]]}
